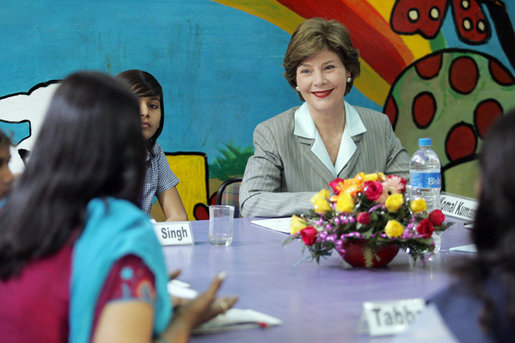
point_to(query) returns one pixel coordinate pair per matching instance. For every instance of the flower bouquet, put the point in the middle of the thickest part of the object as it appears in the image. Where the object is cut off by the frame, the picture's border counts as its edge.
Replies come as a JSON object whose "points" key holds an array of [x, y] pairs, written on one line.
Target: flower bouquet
{"points": [[371, 214]]}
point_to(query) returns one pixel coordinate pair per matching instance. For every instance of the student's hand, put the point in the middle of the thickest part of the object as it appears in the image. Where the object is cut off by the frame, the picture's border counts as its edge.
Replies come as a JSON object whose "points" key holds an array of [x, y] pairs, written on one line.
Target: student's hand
{"points": [[190, 313], [206, 306], [176, 301], [174, 275]]}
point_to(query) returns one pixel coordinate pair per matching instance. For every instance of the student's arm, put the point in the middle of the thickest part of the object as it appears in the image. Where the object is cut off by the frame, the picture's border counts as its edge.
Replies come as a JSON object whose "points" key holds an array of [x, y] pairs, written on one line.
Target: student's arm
{"points": [[132, 321], [125, 321], [166, 190], [172, 206]]}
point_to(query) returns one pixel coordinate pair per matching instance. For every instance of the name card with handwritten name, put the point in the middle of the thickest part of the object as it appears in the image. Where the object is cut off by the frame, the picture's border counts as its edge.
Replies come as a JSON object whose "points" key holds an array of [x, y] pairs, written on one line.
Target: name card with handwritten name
{"points": [[457, 206], [174, 233], [389, 317]]}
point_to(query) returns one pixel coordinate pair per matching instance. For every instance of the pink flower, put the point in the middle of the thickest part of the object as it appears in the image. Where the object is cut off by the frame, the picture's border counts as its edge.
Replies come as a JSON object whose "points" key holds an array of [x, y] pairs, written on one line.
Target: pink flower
{"points": [[309, 235], [373, 190], [392, 185], [363, 218], [336, 185]]}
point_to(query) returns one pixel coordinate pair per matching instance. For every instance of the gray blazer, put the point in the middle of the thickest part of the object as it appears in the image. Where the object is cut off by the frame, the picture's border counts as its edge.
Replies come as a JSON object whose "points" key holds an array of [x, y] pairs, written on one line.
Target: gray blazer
{"points": [[283, 174]]}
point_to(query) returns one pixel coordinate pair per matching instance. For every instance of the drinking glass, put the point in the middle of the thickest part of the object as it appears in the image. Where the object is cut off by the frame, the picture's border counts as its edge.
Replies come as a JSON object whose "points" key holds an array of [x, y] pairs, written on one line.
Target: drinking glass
{"points": [[221, 219]]}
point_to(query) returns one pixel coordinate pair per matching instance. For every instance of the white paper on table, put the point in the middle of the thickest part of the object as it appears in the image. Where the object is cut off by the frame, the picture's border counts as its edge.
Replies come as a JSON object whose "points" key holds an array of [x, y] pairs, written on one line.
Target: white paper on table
{"points": [[277, 224], [237, 319], [469, 225], [465, 248], [181, 289]]}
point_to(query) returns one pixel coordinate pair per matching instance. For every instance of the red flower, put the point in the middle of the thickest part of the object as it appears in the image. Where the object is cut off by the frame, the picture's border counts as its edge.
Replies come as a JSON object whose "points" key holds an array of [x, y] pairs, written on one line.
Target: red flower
{"points": [[425, 228], [309, 235], [436, 217], [373, 190], [363, 218], [336, 185]]}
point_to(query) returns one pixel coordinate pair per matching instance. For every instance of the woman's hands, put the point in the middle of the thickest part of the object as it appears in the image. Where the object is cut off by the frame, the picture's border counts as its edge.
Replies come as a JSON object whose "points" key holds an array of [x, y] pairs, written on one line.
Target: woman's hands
{"points": [[206, 306], [190, 313]]}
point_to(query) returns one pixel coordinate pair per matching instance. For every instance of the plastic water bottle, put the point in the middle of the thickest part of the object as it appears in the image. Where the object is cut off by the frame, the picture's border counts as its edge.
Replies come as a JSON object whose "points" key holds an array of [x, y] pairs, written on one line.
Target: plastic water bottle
{"points": [[425, 179]]}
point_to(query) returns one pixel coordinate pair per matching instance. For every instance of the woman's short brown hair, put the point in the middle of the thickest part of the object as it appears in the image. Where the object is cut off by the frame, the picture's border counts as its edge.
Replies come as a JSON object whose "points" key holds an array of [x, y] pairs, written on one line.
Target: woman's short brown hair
{"points": [[313, 36]]}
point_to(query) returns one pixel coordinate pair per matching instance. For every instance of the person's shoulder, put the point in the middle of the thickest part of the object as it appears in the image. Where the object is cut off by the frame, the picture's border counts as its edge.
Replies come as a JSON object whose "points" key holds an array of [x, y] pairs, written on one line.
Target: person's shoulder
{"points": [[280, 120], [283, 117], [157, 150], [371, 117], [368, 113]]}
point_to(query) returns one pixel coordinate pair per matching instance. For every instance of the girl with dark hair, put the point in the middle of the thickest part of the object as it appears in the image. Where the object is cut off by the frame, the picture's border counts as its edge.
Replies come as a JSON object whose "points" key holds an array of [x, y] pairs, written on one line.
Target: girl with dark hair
{"points": [[480, 306], [79, 261], [6, 177], [160, 181]]}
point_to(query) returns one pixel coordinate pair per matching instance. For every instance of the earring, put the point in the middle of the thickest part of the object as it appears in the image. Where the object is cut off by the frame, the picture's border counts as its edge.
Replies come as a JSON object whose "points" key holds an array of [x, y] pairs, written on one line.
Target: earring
{"points": [[297, 89], [349, 79]]}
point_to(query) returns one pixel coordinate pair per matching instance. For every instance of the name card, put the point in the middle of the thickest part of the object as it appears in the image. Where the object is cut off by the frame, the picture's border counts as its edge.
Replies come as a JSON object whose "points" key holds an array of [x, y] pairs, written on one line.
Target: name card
{"points": [[174, 233], [458, 206], [389, 317]]}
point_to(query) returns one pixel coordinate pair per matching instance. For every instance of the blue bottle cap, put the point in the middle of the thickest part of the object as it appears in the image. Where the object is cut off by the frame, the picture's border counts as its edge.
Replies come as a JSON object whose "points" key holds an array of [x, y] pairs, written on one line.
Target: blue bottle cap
{"points": [[424, 141]]}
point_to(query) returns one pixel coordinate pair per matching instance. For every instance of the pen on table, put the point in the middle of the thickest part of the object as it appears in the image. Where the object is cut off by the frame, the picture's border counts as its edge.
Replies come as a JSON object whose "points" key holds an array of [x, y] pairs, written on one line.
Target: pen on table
{"points": [[251, 322]]}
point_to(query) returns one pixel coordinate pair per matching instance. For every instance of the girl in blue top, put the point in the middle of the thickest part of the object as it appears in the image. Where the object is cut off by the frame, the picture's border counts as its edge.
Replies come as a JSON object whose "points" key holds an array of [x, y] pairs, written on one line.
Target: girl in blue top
{"points": [[160, 181]]}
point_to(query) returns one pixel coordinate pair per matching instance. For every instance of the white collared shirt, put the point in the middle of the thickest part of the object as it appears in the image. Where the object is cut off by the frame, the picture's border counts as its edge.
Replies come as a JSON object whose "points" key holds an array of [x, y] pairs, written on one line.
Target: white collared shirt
{"points": [[305, 127]]}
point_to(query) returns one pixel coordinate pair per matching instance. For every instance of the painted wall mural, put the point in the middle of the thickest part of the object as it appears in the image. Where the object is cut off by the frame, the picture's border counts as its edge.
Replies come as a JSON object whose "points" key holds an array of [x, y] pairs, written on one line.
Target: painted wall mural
{"points": [[437, 68], [21, 115]]}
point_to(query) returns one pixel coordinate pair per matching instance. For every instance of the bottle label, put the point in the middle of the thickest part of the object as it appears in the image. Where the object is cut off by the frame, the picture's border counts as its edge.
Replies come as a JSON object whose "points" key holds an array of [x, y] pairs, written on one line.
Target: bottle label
{"points": [[421, 179]]}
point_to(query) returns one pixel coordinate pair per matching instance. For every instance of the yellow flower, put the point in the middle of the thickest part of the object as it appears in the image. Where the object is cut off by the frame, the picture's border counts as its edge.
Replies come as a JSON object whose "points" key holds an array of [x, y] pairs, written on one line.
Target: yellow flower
{"points": [[345, 203], [319, 201], [353, 186], [371, 177], [381, 177], [393, 229], [394, 202], [297, 224], [418, 205], [352, 190], [359, 177]]}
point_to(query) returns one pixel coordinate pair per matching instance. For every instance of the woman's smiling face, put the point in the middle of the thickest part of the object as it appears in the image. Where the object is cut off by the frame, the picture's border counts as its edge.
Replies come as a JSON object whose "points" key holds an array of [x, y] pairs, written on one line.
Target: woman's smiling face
{"points": [[322, 80]]}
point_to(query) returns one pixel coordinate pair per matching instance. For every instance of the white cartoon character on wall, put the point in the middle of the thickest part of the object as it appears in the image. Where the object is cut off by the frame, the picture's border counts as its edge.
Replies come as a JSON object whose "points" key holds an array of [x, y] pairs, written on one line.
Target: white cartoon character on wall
{"points": [[21, 116]]}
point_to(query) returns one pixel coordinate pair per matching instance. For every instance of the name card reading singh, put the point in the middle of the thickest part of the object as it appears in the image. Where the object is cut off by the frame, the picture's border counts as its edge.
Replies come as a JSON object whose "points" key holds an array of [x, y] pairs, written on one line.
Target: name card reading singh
{"points": [[176, 233]]}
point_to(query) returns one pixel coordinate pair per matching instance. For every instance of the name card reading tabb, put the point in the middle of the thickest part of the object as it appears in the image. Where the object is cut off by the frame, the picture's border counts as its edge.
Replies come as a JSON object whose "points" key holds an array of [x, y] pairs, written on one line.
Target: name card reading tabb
{"points": [[389, 317], [174, 233]]}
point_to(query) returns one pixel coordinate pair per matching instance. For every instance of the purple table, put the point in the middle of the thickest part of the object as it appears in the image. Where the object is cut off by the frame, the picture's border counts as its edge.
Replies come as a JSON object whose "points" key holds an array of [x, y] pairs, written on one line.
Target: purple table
{"points": [[317, 303]]}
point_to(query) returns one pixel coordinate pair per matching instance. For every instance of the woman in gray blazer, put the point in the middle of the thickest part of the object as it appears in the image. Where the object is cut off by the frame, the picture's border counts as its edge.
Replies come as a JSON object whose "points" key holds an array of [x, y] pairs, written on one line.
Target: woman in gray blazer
{"points": [[298, 152]]}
